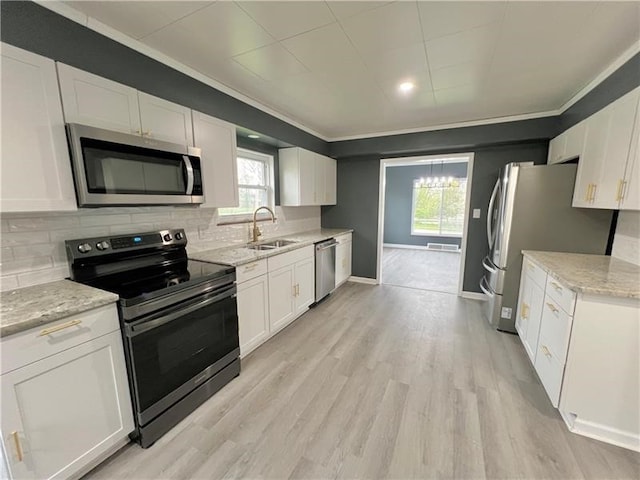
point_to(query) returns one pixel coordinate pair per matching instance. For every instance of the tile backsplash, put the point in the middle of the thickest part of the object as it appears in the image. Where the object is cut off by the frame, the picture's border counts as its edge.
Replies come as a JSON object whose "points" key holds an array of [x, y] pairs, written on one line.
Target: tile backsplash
{"points": [[626, 243], [32, 245]]}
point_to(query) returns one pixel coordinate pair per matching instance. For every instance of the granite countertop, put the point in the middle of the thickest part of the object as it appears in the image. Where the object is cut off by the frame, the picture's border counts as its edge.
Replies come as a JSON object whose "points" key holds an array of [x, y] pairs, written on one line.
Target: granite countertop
{"points": [[32, 307], [240, 255], [595, 274]]}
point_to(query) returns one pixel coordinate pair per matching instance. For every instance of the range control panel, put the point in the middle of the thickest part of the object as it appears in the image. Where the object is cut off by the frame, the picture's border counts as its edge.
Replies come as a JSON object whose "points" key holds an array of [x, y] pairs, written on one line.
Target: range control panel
{"points": [[90, 247]]}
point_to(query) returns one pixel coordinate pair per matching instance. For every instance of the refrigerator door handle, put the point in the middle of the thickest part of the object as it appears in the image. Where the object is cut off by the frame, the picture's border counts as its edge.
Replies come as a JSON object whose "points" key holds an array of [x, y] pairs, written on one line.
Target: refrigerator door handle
{"points": [[486, 263], [490, 232], [485, 288]]}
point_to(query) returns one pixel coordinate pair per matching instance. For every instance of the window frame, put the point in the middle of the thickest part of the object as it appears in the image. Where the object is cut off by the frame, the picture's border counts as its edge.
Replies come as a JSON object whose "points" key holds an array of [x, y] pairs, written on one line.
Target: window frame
{"points": [[269, 187], [420, 233]]}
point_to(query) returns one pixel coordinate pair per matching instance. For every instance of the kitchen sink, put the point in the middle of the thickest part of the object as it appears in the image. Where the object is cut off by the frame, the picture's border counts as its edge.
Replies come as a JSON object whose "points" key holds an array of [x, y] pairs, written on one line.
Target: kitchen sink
{"points": [[271, 245]]}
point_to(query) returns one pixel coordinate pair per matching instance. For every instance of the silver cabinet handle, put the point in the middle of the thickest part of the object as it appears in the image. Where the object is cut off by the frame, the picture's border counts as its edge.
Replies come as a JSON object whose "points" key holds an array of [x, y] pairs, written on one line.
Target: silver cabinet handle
{"points": [[556, 286], [552, 307], [546, 351]]}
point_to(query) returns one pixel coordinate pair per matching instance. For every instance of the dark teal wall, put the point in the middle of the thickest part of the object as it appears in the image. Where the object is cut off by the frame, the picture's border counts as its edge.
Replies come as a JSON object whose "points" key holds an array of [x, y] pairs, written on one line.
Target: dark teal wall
{"points": [[398, 202]]}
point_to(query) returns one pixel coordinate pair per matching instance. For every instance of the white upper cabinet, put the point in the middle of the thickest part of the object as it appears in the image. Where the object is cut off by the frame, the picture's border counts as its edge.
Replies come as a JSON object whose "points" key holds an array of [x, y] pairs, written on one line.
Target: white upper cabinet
{"points": [[35, 168], [568, 145], [217, 140], [163, 120], [630, 189], [606, 153], [306, 178], [92, 100]]}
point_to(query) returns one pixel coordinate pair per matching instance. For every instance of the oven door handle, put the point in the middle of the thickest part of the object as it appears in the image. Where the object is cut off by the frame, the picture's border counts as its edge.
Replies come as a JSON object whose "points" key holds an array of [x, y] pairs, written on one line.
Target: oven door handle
{"points": [[144, 326]]}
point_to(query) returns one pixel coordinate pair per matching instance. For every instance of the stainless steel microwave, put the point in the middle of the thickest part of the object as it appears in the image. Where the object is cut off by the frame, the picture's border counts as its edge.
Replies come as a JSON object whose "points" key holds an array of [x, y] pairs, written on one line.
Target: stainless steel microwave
{"points": [[113, 168]]}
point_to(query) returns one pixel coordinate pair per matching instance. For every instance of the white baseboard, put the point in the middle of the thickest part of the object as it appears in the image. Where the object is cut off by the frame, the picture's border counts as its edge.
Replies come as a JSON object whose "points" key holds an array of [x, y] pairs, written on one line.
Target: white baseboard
{"points": [[473, 296], [367, 280], [601, 432], [408, 247]]}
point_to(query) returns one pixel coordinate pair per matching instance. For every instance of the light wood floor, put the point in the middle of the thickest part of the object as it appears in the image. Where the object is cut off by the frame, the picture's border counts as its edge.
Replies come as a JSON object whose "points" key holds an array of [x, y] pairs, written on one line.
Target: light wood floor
{"points": [[423, 269], [379, 382]]}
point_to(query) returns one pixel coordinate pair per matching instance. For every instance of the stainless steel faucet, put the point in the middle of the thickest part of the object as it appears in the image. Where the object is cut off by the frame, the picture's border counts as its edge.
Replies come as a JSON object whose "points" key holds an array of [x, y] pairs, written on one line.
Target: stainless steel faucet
{"points": [[256, 230]]}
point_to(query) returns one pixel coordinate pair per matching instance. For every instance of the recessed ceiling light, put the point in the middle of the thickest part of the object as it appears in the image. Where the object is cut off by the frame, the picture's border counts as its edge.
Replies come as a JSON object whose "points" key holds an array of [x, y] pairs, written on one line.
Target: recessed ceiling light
{"points": [[253, 135], [406, 87]]}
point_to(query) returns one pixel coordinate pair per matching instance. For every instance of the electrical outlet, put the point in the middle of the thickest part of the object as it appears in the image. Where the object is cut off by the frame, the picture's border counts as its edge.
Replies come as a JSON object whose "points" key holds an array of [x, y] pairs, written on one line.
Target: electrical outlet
{"points": [[506, 312], [476, 213]]}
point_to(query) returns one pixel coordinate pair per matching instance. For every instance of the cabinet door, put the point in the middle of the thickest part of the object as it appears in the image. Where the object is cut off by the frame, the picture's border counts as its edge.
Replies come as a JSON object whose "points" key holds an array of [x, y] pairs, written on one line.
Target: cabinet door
{"points": [[305, 284], [630, 191], [66, 410], [217, 140], [529, 313], [164, 120], [536, 299], [35, 170], [556, 149], [589, 166], [341, 253], [575, 141], [282, 304], [253, 313], [330, 183], [620, 129], [92, 100], [308, 179]]}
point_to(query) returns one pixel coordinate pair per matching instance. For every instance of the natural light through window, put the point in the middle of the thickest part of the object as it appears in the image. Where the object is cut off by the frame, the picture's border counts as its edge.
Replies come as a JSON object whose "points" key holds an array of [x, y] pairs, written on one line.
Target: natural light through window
{"points": [[438, 210], [255, 183]]}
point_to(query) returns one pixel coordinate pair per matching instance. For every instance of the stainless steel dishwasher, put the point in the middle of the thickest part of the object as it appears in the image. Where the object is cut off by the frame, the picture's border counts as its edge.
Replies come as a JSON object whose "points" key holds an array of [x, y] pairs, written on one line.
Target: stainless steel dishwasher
{"points": [[325, 268]]}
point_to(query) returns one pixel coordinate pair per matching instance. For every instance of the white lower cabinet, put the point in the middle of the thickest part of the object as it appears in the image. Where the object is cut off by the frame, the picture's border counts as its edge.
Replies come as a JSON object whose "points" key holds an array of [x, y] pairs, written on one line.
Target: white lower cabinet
{"points": [[343, 258], [291, 286], [585, 350], [530, 305], [253, 313], [65, 411], [282, 297]]}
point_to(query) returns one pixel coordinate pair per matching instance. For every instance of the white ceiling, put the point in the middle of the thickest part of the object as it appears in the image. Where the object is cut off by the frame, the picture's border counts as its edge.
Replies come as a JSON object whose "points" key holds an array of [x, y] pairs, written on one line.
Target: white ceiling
{"points": [[334, 66]]}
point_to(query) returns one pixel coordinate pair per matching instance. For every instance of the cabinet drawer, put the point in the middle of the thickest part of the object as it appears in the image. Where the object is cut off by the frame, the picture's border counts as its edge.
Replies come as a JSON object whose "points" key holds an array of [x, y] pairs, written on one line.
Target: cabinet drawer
{"points": [[289, 258], [555, 328], [344, 238], [550, 371], [562, 295], [35, 344], [536, 273], [251, 270]]}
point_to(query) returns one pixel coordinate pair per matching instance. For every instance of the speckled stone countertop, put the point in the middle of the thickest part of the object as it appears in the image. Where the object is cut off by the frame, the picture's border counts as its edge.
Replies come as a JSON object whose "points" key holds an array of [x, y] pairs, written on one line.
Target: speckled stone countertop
{"points": [[240, 255], [32, 307], [595, 274]]}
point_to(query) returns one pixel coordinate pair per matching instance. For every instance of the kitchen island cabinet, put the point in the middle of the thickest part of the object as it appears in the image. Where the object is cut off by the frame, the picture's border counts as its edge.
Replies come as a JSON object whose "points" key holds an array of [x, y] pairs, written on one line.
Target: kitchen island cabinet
{"points": [[588, 345]]}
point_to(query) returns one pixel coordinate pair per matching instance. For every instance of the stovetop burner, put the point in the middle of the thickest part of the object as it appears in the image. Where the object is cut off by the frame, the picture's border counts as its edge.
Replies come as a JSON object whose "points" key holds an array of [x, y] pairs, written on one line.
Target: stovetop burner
{"points": [[139, 267]]}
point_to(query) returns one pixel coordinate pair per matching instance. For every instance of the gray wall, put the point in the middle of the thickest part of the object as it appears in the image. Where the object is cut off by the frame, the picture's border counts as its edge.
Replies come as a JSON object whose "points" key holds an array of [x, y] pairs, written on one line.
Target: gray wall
{"points": [[398, 202], [39, 30], [357, 207]]}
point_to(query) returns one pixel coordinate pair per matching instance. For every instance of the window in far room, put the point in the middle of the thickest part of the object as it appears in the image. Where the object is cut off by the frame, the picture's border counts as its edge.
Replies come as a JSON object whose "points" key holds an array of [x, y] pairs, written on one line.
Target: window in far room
{"points": [[255, 184], [438, 206]]}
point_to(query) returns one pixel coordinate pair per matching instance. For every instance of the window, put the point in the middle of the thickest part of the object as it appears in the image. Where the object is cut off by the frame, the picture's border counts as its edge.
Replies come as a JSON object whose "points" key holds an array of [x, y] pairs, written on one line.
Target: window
{"points": [[255, 183], [438, 210]]}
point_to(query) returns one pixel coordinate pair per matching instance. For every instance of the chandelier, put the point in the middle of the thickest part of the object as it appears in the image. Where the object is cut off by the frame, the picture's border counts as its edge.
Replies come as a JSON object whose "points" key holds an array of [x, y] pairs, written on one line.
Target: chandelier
{"points": [[441, 181]]}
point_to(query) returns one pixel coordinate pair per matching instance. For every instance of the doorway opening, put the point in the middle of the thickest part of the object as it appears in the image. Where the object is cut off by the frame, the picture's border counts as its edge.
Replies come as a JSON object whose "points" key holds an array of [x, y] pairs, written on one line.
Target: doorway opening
{"points": [[423, 221]]}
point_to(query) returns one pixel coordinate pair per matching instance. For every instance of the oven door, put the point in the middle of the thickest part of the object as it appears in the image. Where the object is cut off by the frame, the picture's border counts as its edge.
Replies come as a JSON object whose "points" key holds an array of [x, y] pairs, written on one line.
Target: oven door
{"points": [[112, 168], [172, 352]]}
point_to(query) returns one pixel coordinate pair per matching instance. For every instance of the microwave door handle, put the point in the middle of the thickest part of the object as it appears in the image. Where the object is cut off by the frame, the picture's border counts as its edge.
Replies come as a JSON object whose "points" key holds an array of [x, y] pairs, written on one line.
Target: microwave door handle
{"points": [[490, 233], [189, 168]]}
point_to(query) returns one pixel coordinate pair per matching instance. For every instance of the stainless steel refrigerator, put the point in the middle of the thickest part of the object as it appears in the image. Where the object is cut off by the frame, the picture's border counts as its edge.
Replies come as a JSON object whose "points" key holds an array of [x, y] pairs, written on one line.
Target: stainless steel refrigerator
{"points": [[530, 209]]}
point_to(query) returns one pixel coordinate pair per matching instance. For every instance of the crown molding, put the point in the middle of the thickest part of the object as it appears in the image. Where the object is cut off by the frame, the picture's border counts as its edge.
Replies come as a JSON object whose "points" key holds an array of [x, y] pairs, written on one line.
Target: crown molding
{"points": [[91, 23]]}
